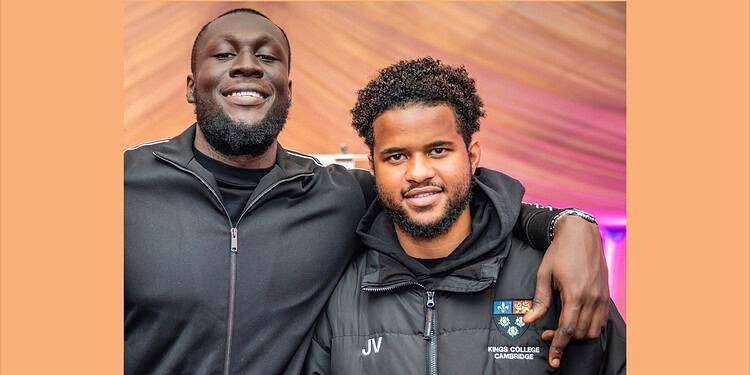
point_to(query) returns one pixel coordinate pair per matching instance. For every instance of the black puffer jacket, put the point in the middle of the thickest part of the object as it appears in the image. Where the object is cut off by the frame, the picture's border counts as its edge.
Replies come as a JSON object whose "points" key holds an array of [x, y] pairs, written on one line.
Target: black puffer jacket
{"points": [[389, 314]]}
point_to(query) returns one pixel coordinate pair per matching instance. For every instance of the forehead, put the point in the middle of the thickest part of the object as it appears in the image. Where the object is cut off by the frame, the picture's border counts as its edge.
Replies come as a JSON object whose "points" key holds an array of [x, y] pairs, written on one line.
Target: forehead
{"points": [[415, 125], [243, 27]]}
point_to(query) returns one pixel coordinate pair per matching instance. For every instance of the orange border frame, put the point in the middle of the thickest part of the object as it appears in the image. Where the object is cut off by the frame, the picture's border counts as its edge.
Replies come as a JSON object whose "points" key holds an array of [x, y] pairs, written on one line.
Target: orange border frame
{"points": [[61, 187]]}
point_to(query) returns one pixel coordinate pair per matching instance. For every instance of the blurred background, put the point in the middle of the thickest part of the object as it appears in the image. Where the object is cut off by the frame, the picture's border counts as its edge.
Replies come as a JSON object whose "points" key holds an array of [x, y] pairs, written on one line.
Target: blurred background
{"points": [[551, 74]]}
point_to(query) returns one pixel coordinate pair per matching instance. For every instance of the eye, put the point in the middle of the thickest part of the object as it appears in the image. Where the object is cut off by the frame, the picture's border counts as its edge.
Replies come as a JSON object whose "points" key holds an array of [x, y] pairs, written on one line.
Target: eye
{"points": [[439, 151], [395, 158], [266, 58], [224, 55]]}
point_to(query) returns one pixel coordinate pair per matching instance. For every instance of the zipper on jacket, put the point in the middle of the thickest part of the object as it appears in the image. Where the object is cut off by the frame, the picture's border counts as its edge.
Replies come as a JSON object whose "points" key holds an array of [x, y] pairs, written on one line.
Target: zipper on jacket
{"points": [[233, 265], [230, 308], [430, 321], [233, 242], [430, 334], [378, 289], [233, 247], [234, 234]]}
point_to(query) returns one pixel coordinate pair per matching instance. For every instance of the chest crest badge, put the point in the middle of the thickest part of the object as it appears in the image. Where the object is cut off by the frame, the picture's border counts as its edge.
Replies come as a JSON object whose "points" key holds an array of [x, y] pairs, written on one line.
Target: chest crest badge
{"points": [[508, 317]]}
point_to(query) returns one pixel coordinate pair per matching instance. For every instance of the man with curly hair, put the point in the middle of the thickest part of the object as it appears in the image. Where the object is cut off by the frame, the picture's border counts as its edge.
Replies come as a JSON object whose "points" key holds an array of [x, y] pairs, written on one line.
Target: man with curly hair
{"points": [[443, 285]]}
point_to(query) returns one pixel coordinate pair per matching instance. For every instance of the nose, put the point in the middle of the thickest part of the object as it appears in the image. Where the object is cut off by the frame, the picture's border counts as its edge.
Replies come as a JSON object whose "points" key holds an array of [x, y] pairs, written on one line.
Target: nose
{"points": [[246, 65], [419, 169]]}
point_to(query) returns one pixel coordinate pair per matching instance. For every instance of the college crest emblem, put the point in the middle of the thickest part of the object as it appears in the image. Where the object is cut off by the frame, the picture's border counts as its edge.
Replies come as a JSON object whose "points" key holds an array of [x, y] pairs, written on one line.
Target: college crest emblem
{"points": [[508, 317]]}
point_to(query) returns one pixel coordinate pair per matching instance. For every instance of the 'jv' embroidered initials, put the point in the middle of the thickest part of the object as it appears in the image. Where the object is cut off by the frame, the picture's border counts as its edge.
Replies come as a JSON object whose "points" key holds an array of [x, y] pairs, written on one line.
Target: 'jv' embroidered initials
{"points": [[372, 345]]}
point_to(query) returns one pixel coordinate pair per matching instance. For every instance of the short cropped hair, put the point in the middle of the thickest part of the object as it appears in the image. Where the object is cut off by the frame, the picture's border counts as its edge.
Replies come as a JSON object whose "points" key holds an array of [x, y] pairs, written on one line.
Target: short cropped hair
{"points": [[424, 81], [194, 51]]}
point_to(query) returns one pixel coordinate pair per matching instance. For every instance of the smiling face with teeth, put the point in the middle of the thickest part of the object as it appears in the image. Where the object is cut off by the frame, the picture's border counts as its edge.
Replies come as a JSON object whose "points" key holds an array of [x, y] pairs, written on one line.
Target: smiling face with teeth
{"points": [[240, 85], [423, 168]]}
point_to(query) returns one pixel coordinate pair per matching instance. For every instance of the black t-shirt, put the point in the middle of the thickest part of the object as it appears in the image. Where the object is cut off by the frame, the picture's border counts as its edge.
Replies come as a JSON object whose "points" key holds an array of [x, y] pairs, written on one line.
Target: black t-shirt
{"points": [[430, 263], [236, 185]]}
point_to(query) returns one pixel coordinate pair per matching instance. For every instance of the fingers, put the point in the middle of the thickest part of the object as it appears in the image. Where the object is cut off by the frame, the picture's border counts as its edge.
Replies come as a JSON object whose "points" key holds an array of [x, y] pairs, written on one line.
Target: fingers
{"points": [[598, 321], [584, 320], [565, 330], [548, 335], [542, 296], [576, 322]]}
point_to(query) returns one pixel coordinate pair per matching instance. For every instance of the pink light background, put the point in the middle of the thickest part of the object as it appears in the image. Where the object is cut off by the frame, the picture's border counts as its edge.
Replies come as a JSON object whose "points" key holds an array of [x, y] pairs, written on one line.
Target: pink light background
{"points": [[613, 241]]}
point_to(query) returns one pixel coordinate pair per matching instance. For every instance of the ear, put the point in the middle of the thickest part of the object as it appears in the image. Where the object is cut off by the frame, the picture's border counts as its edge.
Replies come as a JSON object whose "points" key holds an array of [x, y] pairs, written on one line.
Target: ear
{"points": [[190, 92], [290, 88], [475, 153]]}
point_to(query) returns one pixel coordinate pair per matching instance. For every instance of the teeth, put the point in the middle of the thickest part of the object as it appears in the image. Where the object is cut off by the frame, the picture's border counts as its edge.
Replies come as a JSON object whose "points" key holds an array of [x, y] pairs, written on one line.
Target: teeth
{"points": [[245, 93], [423, 195]]}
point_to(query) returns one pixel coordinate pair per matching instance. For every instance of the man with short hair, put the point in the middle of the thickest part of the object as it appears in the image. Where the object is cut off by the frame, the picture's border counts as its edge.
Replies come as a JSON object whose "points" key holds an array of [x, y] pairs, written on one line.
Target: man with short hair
{"points": [[233, 244], [443, 285]]}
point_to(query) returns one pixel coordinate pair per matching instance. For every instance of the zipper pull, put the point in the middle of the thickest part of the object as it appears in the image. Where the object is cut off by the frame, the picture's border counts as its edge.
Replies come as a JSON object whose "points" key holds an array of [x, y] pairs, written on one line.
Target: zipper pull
{"points": [[429, 317], [234, 240]]}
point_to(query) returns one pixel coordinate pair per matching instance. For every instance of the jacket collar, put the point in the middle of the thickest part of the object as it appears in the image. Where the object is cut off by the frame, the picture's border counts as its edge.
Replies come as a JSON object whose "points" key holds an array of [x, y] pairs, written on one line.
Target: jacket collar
{"points": [[385, 273], [179, 150], [288, 165]]}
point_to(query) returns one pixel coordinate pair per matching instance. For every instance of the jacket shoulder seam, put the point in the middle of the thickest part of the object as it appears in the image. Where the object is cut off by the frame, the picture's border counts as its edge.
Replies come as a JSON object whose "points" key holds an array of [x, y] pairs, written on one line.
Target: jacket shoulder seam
{"points": [[301, 155], [149, 143]]}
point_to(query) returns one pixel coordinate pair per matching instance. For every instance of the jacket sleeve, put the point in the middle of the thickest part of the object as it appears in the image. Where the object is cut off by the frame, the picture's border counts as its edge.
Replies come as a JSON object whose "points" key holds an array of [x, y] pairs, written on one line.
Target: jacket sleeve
{"points": [[318, 360], [614, 344], [533, 224]]}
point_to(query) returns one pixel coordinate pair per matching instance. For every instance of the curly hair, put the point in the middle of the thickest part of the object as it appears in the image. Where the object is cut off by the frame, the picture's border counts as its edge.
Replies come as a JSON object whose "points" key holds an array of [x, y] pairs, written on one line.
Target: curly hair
{"points": [[422, 81]]}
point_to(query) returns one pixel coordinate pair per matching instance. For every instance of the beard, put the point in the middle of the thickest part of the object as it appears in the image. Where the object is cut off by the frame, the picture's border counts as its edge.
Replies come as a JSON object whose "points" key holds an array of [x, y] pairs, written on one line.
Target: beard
{"points": [[458, 200], [234, 138]]}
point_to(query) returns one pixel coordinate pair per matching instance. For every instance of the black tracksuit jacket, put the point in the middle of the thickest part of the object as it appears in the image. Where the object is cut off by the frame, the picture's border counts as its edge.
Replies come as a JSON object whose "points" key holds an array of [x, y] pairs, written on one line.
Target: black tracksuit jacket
{"points": [[205, 295], [389, 314]]}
